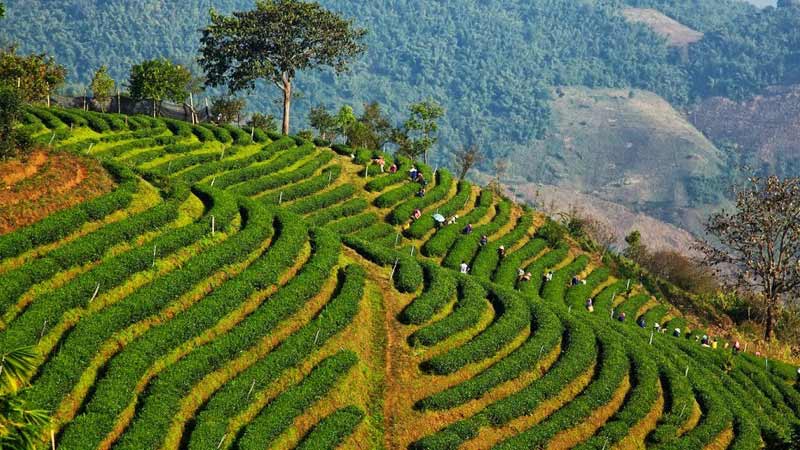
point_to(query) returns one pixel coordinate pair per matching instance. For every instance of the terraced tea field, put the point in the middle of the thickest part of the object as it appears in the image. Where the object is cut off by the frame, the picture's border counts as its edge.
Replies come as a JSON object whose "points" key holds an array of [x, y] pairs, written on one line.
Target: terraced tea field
{"points": [[244, 290]]}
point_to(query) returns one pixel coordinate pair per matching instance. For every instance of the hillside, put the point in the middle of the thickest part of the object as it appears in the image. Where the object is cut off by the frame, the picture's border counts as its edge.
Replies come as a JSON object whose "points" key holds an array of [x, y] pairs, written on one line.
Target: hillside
{"points": [[764, 131], [676, 33], [276, 296], [631, 148], [493, 65], [45, 183]]}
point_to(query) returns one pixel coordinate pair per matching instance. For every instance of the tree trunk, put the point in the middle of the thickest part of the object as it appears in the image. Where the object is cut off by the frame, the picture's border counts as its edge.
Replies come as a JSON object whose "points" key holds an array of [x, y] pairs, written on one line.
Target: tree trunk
{"points": [[770, 325], [154, 108], [287, 102]]}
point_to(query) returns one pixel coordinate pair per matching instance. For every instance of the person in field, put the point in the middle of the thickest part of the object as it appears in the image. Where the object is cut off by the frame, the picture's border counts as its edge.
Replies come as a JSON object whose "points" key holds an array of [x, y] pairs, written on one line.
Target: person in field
{"points": [[590, 305], [393, 168], [464, 267], [468, 229], [416, 215]]}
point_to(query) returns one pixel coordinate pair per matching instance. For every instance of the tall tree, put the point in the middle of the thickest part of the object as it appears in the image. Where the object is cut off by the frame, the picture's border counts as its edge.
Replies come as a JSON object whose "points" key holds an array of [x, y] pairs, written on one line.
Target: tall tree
{"points": [[759, 242], [227, 109], [102, 87], [324, 122], [35, 76], [158, 80], [378, 126], [467, 158], [20, 426], [2, 10], [419, 130], [13, 139], [273, 42], [265, 122]]}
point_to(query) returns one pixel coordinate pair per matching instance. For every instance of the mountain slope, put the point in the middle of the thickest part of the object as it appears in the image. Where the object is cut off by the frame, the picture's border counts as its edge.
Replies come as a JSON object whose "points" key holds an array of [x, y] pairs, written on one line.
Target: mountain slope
{"points": [[627, 147], [278, 297]]}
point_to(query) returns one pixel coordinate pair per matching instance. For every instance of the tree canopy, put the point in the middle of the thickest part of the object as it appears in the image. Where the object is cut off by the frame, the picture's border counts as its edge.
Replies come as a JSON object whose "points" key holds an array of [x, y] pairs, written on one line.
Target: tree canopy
{"points": [[275, 41], [760, 241], [102, 87], [158, 80]]}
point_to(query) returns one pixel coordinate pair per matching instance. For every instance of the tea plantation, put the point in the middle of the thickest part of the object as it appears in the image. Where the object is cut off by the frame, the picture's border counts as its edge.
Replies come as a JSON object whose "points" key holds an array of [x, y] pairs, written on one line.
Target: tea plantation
{"points": [[245, 290]]}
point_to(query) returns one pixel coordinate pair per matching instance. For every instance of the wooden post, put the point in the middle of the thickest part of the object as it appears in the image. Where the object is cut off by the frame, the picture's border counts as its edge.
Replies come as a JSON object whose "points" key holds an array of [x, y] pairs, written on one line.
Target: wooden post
{"points": [[53, 439], [191, 106]]}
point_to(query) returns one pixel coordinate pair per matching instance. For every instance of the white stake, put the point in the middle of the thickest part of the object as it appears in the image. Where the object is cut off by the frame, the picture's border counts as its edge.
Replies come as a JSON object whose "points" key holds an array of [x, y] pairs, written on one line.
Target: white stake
{"points": [[96, 290], [396, 239], [252, 134], [330, 177], [222, 440], [412, 250], [44, 325], [541, 350], [90, 147], [394, 268], [570, 309], [651, 338], [169, 167], [154, 255], [280, 198], [612, 313], [53, 439], [628, 286], [687, 372], [213, 225], [316, 337], [52, 138], [222, 155], [682, 410], [252, 386], [213, 180]]}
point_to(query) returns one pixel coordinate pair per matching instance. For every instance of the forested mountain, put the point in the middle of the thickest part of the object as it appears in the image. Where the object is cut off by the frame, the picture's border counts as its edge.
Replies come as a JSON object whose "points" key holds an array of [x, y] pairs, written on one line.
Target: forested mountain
{"points": [[497, 66], [490, 62]]}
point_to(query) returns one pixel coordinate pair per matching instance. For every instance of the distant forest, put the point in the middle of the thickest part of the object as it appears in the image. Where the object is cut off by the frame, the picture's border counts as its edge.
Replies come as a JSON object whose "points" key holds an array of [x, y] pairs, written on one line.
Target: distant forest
{"points": [[493, 64]]}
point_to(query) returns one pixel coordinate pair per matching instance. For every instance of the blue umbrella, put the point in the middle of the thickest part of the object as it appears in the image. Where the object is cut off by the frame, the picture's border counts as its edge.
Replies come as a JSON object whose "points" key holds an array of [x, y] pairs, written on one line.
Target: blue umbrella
{"points": [[439, 218]]}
